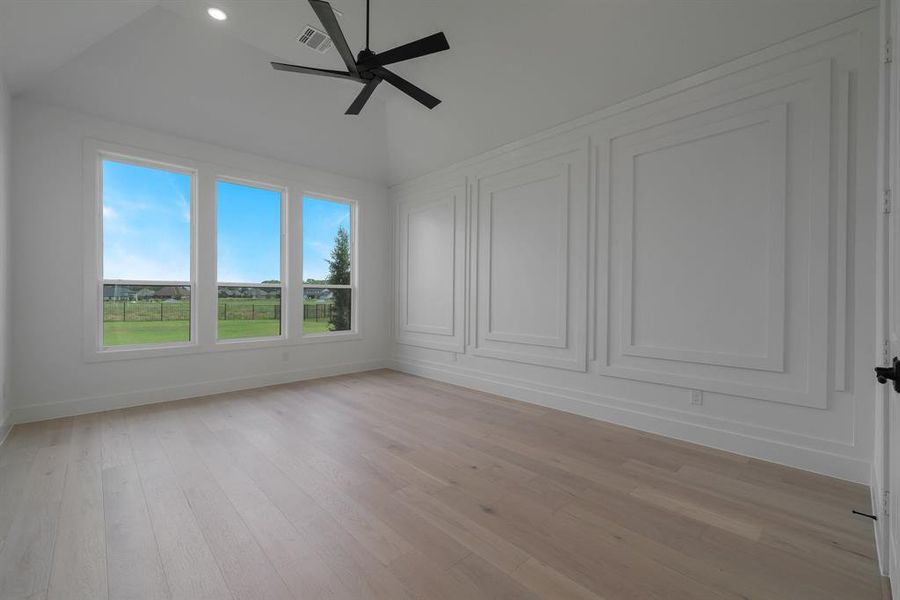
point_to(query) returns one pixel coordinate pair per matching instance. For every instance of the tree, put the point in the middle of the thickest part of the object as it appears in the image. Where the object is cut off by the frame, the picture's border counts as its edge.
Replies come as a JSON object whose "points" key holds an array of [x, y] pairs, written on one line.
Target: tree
{"points": [[339, 274]]}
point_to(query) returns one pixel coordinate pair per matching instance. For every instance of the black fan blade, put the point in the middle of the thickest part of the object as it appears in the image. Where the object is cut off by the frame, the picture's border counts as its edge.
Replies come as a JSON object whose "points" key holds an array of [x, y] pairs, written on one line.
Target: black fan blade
{"points": [[330, 23], [363, 97], [427, 45], [406, 87], [313, 71]]}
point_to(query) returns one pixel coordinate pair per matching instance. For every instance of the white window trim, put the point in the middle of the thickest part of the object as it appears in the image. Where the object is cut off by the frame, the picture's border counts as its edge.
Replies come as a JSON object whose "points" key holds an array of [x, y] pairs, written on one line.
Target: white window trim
{"points": [[93, 266], [353, 333], [204, 233], [284, 270]]}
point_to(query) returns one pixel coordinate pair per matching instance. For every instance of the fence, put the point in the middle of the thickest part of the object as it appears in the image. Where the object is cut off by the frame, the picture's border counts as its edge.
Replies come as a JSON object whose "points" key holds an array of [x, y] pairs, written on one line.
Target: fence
{"points": [[146, 311], [318, 312], [228, 311], [243, 311]]}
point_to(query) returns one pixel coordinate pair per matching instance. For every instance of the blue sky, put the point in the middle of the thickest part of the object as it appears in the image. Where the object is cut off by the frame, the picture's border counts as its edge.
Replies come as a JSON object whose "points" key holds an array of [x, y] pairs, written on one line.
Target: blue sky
{"points": [[249, 243], [321, 220], [146, 228], [146, 223]]}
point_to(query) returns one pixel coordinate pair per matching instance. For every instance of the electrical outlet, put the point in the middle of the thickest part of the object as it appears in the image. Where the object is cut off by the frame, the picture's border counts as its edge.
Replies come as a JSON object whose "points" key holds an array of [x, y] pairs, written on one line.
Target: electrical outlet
{"points": [[453, 357], [285, 356], [696, 397]]}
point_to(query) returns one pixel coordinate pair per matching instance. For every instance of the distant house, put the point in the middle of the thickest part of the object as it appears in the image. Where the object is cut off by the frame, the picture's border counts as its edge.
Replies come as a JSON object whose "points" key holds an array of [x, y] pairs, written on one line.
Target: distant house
{"points": [[320, 294], [172, 292], [112, 293]]}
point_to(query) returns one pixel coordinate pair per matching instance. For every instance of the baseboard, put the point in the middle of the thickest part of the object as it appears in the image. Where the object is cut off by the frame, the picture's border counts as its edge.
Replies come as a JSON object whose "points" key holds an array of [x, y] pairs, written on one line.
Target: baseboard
{"points": [[5, 426], [895, 581], [880, 525], [82, 406], [598, 407]]}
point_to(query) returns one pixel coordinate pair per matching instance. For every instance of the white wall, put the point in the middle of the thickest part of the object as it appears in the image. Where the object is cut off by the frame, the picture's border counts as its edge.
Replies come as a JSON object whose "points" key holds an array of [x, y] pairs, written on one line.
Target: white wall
{"points": [[5, 146], [715, 235], [509, 61], [184, 77], [50, 374]]}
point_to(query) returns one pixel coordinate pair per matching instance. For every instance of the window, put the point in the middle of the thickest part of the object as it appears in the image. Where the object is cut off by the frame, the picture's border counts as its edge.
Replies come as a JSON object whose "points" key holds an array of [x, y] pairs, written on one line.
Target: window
{"points": [[249, 260], [146, 278], [327, 266], [188, 256]]}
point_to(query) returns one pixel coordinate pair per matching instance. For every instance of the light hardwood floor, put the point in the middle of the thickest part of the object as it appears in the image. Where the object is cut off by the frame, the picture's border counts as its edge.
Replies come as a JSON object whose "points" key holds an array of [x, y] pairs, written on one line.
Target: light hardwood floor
{"points": [[383, 485]]}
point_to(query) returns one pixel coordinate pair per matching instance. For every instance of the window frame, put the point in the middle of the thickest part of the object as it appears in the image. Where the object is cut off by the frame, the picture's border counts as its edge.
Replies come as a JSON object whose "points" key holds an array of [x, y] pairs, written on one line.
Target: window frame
{"points": [[284, 271], [151, 161], [204, 260], [353, 332]]}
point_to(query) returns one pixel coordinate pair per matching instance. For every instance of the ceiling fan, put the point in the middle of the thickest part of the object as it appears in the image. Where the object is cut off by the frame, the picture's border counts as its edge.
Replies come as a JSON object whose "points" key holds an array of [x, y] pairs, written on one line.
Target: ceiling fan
{"points": [[368, 68]]}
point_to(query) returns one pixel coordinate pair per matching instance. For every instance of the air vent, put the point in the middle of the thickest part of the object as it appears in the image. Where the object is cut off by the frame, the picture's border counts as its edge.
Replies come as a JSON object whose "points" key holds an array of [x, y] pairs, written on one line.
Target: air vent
{"points": [[315, 39]]}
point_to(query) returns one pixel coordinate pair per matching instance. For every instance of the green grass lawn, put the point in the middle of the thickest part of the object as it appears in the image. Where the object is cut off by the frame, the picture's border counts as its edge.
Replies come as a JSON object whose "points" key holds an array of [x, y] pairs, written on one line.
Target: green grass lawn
{"points": [[176, 328], [127, 333], [316, 327], [233, 330]]}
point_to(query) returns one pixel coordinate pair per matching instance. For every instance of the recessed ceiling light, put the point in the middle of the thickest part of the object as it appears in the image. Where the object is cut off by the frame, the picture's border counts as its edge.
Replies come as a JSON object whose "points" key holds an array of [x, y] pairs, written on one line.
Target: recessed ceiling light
{"points": [[216, 13]]}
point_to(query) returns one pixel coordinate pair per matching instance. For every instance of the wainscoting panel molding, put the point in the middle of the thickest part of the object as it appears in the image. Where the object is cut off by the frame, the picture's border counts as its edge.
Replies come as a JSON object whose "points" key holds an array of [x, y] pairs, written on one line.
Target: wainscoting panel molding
{"points": [[529, 256], [702, 291], [695, 261], [431, 235]]}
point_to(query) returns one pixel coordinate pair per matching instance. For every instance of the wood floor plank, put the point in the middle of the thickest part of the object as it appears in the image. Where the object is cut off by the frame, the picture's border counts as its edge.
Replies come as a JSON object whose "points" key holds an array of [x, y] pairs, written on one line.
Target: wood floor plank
{"points": [[493, 583], [15, 478], [337, 564], [116, 445], [721, 560], [478, 539], [781, 528], [244, 565], [135, 570], [736, 525], [190, 568], [24, 441], [79, 554], [320, 566], [26, 557], [356, 569], [368, 530], [550, 583], [384, 486], [280, 540]]}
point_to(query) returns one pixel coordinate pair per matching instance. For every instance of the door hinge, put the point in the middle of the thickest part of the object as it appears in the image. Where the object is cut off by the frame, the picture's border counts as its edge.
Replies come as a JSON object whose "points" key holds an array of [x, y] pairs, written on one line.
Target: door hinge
{"points": [[885, 352], [886, 503], [888, 51], [886, 199]]}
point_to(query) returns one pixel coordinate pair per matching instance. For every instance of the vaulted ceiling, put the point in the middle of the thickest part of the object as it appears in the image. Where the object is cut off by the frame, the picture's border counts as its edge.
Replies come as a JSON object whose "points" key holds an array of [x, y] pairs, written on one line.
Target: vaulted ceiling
{"points": [[515, 67], [36, 37]]}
